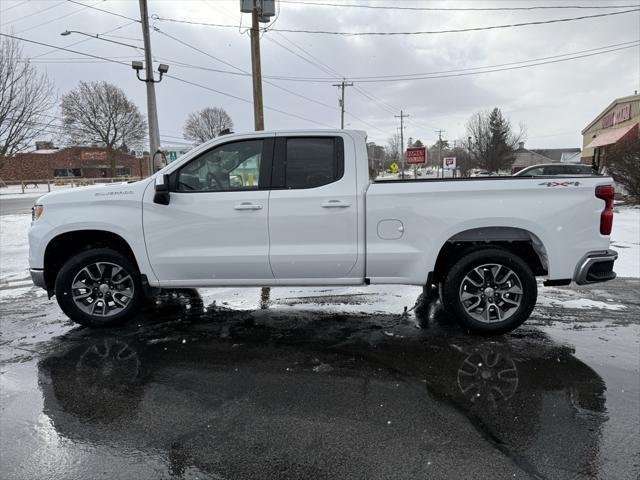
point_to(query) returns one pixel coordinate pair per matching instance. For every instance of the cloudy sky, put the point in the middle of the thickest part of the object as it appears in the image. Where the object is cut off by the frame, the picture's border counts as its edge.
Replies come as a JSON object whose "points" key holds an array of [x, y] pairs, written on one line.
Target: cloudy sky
{"points": [[554, 101]]}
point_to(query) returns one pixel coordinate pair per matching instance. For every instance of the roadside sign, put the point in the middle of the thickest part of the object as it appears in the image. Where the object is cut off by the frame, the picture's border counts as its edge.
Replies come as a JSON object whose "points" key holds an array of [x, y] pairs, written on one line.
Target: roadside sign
{"points": [[416, 155], [139, 154], [449, 163], [394, 167], [173, 155]]}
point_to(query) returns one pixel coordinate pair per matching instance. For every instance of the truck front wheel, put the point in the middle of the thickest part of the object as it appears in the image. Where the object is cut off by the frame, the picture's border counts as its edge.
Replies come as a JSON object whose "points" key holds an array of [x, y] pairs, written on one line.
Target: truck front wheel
{"points": [[99, 287], [490, 291]]}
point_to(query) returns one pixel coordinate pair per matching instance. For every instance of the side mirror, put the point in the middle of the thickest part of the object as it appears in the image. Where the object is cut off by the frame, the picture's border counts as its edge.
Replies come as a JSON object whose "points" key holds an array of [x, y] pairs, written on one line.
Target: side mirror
{"points": [[162, 190]]}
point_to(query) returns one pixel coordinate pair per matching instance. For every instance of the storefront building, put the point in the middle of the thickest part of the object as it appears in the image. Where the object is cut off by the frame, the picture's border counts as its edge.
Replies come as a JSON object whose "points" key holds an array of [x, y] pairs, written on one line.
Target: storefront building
{"points": [[618, 122], [70, 162]]}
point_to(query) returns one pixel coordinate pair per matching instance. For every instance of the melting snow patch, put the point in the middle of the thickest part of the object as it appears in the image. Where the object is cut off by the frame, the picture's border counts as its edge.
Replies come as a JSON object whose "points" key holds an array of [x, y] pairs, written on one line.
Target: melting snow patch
{"points": [[578, 303]]}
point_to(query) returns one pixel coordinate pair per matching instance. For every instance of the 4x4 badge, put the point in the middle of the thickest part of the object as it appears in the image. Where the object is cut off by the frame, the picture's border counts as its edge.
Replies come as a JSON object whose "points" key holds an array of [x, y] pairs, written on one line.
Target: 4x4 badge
{"points": [[560, 184]]}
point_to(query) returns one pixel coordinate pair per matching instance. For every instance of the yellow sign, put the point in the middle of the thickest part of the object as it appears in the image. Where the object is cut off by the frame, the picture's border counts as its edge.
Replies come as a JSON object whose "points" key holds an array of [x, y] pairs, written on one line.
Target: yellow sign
{"points": [[394, 167]]}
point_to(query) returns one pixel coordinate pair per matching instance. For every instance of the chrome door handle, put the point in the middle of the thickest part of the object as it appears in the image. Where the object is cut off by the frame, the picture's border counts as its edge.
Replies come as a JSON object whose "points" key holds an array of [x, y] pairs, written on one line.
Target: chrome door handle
{"points": [[335, 204], [247, 206]]}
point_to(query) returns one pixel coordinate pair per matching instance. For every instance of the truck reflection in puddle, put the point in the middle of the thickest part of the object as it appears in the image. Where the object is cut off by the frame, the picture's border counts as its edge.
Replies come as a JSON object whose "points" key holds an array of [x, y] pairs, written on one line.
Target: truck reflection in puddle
{"points": [[221, 390]]}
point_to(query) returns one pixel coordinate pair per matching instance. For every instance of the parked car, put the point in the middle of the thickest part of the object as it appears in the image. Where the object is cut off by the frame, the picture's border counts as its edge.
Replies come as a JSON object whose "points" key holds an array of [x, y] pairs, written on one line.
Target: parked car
{"points": [[564, 169], [481, 173], [311, 216]]}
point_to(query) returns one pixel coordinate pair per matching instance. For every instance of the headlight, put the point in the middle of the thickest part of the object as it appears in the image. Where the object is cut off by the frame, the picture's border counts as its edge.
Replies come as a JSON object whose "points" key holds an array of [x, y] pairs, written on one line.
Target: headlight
{"points": [[36, 212]]}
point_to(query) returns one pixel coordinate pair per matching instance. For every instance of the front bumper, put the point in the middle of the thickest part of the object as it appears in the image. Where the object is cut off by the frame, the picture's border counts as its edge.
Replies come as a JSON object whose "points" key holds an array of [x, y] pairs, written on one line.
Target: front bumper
{"points": [[596, 267], [37, 277]]}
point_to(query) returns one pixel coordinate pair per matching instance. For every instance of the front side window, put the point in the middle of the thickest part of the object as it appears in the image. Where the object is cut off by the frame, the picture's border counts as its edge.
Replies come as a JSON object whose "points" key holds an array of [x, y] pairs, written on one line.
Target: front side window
{"points": [[229, 167], [312, 162]]}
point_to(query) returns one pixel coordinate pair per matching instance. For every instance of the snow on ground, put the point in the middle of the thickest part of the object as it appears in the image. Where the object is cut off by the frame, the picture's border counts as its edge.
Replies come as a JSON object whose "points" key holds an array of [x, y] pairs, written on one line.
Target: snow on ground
{"points": [[15, 281], [15, 191], [14, 248], [625, 239]]}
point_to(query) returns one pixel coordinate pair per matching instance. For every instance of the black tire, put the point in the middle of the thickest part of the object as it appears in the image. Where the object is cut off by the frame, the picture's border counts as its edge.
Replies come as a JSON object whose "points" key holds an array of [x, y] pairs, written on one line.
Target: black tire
{"points": [[458, 284], [113, 316]]}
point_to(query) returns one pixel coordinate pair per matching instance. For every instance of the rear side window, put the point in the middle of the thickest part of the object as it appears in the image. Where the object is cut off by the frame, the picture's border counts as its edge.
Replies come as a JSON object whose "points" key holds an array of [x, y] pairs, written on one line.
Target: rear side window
{"points": [[313, 161]]}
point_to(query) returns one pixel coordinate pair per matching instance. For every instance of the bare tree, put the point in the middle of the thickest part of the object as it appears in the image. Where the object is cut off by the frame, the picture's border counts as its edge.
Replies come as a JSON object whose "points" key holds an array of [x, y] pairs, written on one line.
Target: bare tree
{"points": [[493, 141], [206, 124], [393, 149], [623, 161], [99, 112], [25, 98]]}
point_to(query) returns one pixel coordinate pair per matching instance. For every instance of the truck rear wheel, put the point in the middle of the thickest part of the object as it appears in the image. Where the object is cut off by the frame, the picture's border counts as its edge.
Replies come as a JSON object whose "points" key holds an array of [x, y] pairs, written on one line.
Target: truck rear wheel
{"points": [[490, 291], [99, 288]]}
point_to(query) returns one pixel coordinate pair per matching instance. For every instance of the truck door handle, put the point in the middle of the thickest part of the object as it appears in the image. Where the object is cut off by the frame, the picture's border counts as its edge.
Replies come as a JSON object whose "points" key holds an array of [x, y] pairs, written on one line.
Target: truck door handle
{"points": [[247, 206], [335, 204]]}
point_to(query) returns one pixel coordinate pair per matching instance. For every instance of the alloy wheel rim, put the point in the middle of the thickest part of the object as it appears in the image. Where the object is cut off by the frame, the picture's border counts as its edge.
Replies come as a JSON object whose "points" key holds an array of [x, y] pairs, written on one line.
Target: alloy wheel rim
{"points": [[102, 289], [491, 293]]}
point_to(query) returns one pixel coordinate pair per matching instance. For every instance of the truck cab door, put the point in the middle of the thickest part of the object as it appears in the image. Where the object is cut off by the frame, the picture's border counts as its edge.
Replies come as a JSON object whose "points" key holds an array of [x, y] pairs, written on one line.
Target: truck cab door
{"points": [[313, 210], [214, 231]]}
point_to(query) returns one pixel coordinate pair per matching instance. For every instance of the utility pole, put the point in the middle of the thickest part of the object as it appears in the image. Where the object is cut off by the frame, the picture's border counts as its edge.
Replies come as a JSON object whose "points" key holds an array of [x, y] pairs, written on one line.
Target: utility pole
{"points": [[440, 132], [152, 109], [402, 155], [256, 69], [342, 85]]}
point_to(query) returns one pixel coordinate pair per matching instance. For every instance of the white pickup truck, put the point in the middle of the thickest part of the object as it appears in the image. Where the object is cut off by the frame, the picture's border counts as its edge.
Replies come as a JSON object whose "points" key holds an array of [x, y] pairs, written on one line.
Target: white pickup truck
{"points": [[298, 208]]}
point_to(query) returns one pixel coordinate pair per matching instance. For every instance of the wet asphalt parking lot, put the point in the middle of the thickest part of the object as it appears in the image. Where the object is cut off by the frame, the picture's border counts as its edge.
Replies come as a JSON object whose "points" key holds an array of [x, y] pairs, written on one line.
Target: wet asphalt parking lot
{"points": [[310, 387]]}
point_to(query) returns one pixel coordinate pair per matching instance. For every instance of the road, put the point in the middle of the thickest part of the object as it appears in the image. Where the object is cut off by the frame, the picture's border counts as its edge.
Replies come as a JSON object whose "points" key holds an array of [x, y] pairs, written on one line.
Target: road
{"points": [[14, 205], [310, 387]]}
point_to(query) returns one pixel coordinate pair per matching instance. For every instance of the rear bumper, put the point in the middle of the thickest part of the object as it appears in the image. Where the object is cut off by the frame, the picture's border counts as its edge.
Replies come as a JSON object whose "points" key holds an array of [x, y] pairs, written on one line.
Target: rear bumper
{"points": [[596, 267], [37, 277]]}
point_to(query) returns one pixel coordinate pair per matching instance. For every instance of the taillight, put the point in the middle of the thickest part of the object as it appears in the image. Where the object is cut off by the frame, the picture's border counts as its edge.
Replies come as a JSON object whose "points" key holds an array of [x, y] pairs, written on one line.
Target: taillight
{"points": [[606, 193]]}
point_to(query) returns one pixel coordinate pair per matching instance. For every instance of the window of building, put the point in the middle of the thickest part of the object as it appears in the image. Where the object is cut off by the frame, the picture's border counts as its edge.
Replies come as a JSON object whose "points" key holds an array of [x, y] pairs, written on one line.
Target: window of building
{"points": [[312, 162], [67, 172], [123, 172]]}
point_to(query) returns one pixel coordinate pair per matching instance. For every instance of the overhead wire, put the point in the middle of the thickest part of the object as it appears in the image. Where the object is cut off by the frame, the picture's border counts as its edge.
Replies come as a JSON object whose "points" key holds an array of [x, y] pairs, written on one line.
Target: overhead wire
{"points": [[457, 9], [48, 21], [418, 32], [174, 77], [16, 20]]}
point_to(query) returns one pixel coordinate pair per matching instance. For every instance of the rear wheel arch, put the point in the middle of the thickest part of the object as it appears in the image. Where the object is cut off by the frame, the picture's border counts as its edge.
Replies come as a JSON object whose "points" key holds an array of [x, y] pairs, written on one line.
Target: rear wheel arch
{"points": [[518, 241], [64, 246]]}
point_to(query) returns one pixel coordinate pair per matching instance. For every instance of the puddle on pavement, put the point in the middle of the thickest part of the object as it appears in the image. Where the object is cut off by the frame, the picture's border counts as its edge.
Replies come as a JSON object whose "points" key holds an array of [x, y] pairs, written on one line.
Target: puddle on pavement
{"points": [[190, 388]]}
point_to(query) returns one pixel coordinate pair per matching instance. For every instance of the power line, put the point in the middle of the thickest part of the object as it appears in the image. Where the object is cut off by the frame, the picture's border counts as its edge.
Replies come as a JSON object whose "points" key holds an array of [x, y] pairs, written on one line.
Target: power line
{"points": [[105, 11], [85, 40], [14, 6], [16, 20], [423, 32], [168, 76], [55, 19], [458, 9], [189, 82], [468, 71], [246, 73]]}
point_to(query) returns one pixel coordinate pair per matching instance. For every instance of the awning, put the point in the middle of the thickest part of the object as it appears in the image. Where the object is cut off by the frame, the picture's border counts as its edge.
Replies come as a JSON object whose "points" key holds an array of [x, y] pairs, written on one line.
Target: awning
{"points": [[611, 136]]}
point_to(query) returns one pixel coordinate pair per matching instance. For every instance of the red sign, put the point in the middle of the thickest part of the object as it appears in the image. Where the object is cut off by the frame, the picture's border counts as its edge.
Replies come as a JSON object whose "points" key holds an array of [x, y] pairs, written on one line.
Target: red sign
{"points": [[416, 155], [617, 116]]}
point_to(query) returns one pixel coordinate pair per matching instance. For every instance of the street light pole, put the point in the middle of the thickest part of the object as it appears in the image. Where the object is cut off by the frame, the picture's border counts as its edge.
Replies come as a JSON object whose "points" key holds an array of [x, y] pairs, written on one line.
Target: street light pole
{"points": [[152, 109]]}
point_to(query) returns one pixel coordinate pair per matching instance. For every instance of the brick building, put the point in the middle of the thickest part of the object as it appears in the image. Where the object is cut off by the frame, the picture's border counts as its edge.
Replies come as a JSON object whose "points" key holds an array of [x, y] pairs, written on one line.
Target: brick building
{"points": [[47, 163]]}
